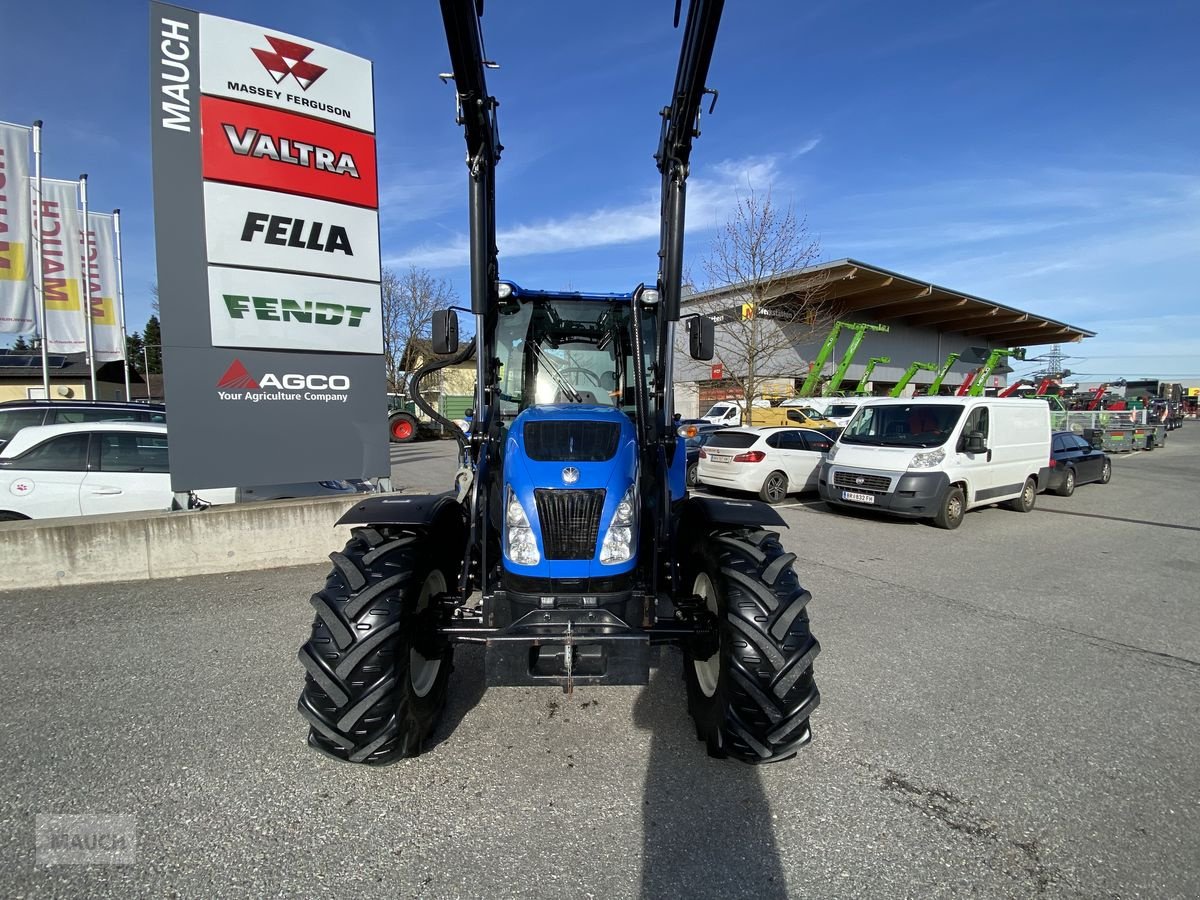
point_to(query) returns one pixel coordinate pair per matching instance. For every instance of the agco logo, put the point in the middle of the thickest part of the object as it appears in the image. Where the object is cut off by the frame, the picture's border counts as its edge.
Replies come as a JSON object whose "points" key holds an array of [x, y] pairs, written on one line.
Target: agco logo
{"points": [[289, 58], [238, 384]]}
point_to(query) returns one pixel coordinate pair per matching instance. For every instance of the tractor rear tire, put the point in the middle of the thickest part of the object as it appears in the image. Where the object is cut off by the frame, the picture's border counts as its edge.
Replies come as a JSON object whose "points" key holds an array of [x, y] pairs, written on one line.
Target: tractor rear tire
{"points": [[377, 666], [750, 684], [402, 428]]}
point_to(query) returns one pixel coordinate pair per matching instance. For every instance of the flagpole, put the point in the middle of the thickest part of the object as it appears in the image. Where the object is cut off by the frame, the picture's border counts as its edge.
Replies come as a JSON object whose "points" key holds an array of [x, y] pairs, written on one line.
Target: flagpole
{"points": [[121, 308], [87, 284], [38, 284]]}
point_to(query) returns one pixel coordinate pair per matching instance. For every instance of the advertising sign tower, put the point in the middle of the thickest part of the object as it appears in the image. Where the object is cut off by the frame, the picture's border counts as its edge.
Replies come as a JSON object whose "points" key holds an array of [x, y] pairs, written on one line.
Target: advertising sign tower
{"points": [[267, 228]]}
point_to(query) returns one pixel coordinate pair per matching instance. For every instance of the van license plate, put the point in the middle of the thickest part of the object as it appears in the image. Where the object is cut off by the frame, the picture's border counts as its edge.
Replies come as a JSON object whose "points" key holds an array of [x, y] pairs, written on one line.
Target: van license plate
{"points": [[857, 497]]}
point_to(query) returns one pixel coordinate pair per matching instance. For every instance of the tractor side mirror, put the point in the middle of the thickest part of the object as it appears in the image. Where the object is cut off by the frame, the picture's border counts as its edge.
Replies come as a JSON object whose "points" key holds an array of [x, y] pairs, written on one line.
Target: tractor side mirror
{"points": [[975, 442], [445, 332], [702, 338]]}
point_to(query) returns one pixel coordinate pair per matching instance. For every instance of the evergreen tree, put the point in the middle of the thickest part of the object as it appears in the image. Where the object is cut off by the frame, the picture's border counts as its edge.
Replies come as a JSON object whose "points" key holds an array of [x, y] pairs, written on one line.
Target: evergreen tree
{"points": [[20, 345], [152, 340], [133, 349]]}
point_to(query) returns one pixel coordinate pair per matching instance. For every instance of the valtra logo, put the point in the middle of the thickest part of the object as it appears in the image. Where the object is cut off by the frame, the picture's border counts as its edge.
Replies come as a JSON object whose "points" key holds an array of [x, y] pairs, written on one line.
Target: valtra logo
{"points": [[238, 384], [289, 58]]}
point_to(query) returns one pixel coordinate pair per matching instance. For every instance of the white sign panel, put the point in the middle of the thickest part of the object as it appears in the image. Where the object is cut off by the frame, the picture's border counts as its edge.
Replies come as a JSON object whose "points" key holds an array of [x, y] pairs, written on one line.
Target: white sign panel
{"points": [[271, 68], [270, 230], [277, 311], [16, 232], [101, 268]]}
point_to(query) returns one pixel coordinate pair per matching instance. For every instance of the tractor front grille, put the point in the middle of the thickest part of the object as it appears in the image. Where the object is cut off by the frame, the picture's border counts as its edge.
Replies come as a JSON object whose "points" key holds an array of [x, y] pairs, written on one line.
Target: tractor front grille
{"points": [[570, 522], [862, 482]]}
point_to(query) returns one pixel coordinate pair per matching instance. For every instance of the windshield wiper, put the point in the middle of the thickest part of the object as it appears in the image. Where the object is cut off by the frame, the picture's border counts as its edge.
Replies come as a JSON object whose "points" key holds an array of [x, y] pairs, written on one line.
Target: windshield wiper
{"points": [[570, 391]]}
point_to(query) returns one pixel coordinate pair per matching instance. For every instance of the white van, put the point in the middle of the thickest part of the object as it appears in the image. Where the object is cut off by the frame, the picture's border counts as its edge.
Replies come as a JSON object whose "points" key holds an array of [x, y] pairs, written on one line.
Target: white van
{"points": [[937, 457], [838, 410], [729, 412]]}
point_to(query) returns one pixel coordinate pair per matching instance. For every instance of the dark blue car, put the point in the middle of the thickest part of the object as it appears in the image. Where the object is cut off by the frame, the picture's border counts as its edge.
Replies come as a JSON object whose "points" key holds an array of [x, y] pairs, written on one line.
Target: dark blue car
{"points": [[1074, 461], [704, 431]]}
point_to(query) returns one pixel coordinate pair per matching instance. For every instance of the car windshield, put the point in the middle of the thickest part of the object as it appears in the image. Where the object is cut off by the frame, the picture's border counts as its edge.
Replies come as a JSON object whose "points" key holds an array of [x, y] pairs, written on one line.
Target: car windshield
{"points": [[568, 351], [908, 425]]}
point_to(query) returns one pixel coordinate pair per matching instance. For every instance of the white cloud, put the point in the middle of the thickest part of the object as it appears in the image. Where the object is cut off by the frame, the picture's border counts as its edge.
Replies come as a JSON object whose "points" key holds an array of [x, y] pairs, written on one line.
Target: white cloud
{"points": [[710, 198]]}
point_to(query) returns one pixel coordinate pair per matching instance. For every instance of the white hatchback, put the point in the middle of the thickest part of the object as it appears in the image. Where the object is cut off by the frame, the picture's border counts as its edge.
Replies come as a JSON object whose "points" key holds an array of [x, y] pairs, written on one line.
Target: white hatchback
{"points": [[89, 468], [771, 462]]}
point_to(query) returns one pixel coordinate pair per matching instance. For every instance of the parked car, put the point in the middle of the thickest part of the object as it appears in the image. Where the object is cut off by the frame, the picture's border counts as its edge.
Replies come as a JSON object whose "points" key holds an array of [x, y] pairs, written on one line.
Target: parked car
{"points": [[701, 433], [771, 462], [1073, 461], [89, 468], [18, 414], [937, 457]]}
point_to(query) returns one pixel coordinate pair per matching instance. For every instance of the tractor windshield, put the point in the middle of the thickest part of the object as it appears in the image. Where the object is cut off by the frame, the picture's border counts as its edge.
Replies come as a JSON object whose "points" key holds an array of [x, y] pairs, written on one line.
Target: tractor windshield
{"points": [[567, 351]]}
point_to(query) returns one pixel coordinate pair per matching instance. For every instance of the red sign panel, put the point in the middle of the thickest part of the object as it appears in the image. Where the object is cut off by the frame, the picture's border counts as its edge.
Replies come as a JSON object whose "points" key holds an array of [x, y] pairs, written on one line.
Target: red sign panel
{"points": [[265, 148], [718, 371]]}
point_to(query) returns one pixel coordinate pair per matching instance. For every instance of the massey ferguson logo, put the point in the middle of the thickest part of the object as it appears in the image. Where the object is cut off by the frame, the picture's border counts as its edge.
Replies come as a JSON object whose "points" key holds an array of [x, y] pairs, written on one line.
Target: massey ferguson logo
{"points": [[238, 384], [287, 59], [261, 145]]}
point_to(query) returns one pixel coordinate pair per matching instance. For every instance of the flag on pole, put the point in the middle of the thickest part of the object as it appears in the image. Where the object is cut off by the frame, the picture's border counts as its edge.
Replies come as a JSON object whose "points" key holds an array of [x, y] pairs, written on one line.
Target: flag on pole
{"points": [[18, 307], [107, 339], [66, 327]]}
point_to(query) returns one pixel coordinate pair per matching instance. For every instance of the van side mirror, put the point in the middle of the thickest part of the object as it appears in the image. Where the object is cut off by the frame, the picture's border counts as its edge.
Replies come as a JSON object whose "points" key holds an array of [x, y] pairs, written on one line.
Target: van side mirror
{"points": [[702, 338], [975, 443], [445, 332]]}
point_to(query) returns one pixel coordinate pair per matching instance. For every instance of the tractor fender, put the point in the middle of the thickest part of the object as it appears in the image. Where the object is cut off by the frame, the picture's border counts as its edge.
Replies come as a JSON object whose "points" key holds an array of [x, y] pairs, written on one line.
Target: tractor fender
{"points": [[723, 511], [402, 509]]}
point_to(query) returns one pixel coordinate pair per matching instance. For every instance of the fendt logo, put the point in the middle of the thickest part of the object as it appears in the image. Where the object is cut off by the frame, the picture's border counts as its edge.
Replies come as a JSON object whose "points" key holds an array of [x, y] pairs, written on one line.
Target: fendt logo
{"points": [[289, 58], [238, 384], [283, 309]]}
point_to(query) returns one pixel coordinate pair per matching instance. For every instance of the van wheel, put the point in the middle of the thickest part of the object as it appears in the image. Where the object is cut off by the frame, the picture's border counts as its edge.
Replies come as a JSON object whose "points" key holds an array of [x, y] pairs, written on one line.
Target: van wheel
{"points": [[950, 514], [774, 489], [1028, 498]]}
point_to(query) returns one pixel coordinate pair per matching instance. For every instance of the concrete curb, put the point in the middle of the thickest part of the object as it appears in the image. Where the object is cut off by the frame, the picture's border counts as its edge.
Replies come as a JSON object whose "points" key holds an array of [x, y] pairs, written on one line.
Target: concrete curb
{"points": [[138, 546]]}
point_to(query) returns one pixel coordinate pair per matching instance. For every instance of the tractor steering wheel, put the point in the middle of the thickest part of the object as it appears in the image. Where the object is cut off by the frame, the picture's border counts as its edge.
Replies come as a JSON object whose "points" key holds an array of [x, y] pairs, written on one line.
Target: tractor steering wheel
{"points": [[588, 372]]}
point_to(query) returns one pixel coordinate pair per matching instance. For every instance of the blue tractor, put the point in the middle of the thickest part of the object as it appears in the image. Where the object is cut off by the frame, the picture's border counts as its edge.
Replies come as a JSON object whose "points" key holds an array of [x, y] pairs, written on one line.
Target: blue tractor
{"points": [[569, 544]]}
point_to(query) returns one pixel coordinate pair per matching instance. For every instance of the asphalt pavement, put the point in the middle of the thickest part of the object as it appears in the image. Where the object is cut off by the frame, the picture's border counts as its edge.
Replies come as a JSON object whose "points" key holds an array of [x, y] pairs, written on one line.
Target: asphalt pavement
{"points": [[1009, 710]]}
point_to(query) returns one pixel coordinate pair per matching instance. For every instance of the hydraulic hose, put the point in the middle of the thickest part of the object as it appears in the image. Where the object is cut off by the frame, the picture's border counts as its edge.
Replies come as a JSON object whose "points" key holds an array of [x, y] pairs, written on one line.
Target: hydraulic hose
{"points": [[432, 366]]}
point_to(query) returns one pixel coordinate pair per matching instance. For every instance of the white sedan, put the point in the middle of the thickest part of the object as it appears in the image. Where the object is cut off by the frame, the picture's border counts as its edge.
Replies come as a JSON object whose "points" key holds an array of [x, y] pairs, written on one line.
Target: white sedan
{"points": [[771, 462], [89, 468]]}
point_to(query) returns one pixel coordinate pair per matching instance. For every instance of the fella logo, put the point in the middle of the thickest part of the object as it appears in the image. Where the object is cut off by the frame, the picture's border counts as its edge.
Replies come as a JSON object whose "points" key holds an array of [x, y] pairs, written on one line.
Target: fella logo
{"points": [[289, 58]]}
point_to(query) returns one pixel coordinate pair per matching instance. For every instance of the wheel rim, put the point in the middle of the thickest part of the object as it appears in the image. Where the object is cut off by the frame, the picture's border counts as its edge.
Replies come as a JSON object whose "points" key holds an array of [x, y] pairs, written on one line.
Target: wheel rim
{"points": [[708, 671], [423, 672], [401, 429], [1107, 472], [1027, 494], [775, 487], [954, 507], [1070, 481], [692, 476]]}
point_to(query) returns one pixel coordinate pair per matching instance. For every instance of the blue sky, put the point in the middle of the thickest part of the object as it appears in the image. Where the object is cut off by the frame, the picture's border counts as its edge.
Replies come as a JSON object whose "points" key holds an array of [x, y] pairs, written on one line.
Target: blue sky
{"points": [[1041, 155]]}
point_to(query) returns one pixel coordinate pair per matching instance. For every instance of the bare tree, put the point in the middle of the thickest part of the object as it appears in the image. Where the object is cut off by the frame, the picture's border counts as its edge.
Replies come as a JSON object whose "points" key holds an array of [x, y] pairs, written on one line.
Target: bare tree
{"points": [[409, 302], [764, 311]]}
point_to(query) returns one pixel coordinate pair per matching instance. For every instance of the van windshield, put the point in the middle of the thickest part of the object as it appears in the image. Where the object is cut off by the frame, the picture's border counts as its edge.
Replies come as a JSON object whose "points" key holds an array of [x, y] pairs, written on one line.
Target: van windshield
{"points": [[841, 410], [911, 425], [720, 411]]}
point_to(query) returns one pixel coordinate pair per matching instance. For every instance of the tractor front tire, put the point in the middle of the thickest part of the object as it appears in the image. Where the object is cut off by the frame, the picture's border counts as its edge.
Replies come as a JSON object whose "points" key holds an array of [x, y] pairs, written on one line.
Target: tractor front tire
{"points": [[376, 663], [750, 684]]}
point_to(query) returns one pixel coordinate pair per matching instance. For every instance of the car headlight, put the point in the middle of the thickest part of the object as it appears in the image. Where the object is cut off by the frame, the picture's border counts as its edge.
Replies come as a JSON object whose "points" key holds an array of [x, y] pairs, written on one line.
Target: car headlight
{"points": [[619, 539], [831, 455], [928, 459], [520, 546]]}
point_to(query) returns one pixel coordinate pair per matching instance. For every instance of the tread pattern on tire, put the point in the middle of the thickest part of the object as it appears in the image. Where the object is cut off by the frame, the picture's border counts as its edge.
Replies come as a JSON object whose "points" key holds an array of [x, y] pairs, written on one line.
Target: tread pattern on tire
{"points": [[770, 690], [353, 697]]}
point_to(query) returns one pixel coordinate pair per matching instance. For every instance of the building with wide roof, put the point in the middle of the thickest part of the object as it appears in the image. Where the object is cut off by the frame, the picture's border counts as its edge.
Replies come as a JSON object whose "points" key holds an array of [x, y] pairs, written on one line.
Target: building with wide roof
{"points": [[926, 322]]}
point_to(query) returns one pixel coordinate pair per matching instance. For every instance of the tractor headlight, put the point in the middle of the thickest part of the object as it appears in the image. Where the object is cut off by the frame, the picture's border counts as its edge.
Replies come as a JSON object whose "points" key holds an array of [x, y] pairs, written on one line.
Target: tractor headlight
{"points": [[619, 539], [928, 459], [520, 545]]}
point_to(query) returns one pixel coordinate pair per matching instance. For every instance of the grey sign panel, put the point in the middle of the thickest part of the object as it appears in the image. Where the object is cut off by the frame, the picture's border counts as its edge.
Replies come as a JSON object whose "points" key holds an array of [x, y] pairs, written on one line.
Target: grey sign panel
{"points": [[244, 416]]}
